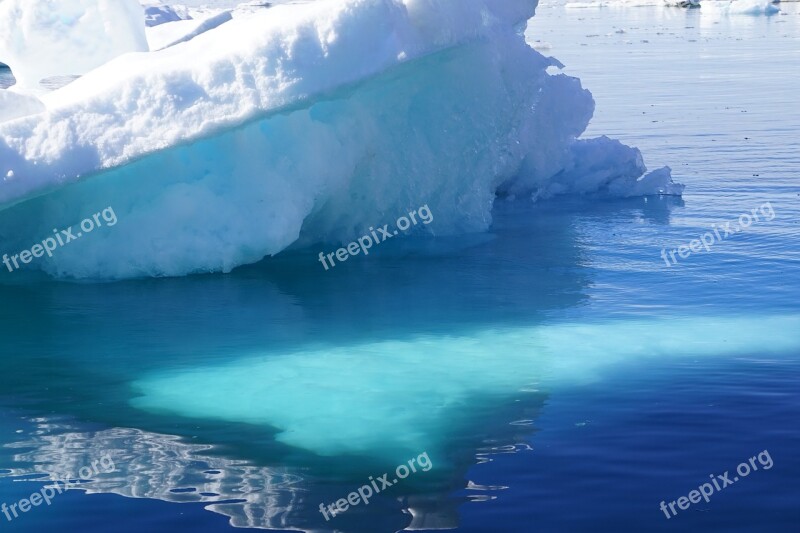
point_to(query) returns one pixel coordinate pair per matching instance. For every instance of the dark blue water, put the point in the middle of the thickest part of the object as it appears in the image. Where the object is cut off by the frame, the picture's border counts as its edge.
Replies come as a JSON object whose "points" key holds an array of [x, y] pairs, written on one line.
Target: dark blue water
{"points": [[557, 373]]}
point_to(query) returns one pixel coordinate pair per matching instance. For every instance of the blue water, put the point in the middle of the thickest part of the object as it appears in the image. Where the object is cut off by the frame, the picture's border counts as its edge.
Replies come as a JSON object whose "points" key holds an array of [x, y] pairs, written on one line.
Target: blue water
{"points": [[559, 374]]}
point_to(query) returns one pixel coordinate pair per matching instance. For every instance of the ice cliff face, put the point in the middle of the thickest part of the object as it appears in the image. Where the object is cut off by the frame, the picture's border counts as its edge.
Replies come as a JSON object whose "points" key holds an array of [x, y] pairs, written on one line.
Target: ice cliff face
{"points": [[298, 124]]}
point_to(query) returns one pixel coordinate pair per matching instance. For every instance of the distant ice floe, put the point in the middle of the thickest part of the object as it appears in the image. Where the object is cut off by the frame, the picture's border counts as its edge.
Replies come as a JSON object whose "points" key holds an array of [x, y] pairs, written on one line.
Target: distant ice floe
{"points": [[612, 3], [301, 123], [593, 4], [740, 7], [733, 7]]}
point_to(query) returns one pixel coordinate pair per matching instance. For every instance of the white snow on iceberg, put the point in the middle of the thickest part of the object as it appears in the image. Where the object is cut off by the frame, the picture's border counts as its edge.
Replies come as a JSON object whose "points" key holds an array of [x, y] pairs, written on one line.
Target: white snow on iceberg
{"points": [[46, 38], [171, 33], [298, 124], [14, 105]]}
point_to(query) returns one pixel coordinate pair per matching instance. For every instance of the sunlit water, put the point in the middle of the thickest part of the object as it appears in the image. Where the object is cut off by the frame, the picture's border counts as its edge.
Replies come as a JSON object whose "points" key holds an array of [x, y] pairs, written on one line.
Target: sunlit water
{"points": [[558, 373]]}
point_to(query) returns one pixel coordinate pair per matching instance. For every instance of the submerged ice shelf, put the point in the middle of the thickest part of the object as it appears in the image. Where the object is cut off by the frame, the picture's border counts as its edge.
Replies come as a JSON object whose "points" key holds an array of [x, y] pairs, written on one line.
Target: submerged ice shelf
{"points": [[299, 124], [339, 400]]}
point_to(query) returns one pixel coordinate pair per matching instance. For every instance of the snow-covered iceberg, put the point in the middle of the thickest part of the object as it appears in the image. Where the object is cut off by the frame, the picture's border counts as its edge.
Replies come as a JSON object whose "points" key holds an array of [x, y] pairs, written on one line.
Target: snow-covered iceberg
{"points": [[302, 123]]}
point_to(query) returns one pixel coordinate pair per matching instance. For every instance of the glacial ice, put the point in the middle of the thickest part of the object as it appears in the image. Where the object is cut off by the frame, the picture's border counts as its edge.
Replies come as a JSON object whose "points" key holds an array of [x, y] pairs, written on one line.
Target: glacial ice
{"points": [[46, 38], [299, 124]]}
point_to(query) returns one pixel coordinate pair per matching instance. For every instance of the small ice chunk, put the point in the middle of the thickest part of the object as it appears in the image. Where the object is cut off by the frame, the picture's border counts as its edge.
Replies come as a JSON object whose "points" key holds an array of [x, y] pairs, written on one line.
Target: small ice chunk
{"points": [[657, 182]]}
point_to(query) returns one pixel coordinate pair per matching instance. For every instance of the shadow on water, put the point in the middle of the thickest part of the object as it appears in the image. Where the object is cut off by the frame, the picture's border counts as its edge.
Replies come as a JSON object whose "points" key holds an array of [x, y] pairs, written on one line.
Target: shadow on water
{"points": [[72, 352]]}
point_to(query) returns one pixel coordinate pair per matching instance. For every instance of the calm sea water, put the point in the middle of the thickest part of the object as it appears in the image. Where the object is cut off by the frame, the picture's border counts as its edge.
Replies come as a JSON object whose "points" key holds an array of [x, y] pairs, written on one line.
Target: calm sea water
{"points": [[558, 374]]}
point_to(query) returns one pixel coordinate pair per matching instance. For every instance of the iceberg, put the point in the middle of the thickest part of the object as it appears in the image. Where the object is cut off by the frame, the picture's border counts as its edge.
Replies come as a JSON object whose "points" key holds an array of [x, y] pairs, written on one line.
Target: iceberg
{"points": [[299, 124]]}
